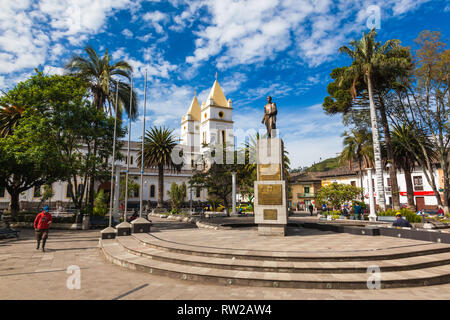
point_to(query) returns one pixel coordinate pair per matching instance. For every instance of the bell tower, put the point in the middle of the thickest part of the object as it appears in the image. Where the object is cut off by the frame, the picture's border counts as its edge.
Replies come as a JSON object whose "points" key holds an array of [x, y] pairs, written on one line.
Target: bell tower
{"points": [[216, 119]]}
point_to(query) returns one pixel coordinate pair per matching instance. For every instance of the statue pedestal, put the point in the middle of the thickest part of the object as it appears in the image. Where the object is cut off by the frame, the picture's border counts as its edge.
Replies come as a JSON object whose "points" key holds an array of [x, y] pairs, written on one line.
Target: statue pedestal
{"points": [[271, 214]]}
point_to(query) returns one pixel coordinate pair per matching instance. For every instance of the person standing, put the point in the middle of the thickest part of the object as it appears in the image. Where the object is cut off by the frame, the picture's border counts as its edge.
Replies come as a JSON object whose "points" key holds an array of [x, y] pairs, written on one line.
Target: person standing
{"points": [[358, 211], [41, 226], [311, 208]]}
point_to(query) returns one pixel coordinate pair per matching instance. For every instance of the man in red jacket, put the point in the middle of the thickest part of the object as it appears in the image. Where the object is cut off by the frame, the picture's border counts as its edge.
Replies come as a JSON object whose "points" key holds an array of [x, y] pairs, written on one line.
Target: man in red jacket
{"points": [[41, 225]]}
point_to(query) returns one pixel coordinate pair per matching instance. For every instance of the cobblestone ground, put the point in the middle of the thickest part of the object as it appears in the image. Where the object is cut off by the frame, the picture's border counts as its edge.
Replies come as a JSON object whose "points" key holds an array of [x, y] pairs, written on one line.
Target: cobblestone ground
{"points": [[27, 273]]}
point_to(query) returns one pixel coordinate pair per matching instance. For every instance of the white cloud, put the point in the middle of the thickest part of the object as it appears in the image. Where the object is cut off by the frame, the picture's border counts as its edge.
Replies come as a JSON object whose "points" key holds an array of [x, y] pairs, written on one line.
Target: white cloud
{"points": [[155, 19], [53, 70], [127, 33]]}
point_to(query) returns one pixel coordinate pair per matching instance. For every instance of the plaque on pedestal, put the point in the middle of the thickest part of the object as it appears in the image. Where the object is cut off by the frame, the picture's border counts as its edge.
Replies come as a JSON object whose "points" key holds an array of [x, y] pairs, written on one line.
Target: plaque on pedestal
{"points": [[123, 229], [140, 225], [270, 188]]}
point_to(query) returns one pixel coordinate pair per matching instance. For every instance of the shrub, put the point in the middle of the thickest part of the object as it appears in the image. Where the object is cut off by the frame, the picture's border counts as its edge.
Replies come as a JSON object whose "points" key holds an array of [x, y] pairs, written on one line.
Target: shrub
{"points": [[407, 214], [100, 205]]}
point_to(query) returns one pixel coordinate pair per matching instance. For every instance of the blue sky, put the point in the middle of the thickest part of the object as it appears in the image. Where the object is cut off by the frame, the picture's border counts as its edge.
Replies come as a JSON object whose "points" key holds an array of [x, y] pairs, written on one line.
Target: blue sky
{"points": [[285, 48]]}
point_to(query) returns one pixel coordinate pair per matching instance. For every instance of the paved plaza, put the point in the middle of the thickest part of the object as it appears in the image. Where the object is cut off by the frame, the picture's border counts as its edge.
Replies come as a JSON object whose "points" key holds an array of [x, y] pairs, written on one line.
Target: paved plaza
{"points": [[26, 273]]}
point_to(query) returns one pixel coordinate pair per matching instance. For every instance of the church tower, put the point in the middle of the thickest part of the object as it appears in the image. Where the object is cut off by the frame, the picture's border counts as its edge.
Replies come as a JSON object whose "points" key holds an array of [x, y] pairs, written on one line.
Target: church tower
{"points": [[216, 119]]}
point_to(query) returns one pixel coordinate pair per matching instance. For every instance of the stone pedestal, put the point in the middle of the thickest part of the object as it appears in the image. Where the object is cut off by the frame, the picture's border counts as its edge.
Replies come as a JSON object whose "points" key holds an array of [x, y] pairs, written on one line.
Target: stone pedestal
{"points": [[271, 213], [140, 225], [123, 229], [108, 233]]}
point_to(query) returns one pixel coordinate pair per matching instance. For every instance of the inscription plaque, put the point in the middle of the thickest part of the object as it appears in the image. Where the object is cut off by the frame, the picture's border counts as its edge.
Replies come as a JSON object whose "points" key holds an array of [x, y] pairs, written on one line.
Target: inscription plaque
{"points": [[270, 214], [270, 194], [269, 172]]}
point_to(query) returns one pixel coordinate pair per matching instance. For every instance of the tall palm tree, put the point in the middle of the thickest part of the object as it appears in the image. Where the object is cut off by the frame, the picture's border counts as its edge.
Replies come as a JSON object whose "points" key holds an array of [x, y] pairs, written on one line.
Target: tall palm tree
{"points": [[406, 146], [9, 118], [100, 77], [158, 146], [357, 147], [369, 58]]}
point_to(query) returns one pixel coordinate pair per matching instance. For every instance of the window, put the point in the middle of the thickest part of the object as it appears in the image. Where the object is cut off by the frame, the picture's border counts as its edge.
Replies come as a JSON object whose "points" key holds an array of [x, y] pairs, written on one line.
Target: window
{"points": [[36, 192], [80, 188], [152, 191], [418, 183], [2, 192], [131, 160], [197, 192], [221, 114], [136, 193], [69, 190], [223, 136], [306, 189], [388, 185]]}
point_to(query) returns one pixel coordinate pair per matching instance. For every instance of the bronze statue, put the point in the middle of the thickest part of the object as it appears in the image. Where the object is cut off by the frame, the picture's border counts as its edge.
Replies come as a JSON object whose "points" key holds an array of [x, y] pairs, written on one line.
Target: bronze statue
{"points": [[270, 116]]}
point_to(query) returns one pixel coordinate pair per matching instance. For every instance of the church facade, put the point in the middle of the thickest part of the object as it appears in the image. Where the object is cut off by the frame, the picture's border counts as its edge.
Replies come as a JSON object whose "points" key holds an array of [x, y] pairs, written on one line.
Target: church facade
{"points": [[205, 123]]}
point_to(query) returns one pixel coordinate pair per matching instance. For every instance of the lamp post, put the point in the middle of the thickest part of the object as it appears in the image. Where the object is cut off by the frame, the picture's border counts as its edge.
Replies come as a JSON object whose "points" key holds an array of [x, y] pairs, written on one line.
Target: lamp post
{"points": [[113, 157], [128, 153], [233, 196], [142, 150]]}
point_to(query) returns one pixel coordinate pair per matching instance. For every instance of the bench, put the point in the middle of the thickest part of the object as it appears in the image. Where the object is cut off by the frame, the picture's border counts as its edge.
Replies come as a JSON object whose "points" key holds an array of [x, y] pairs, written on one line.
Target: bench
{"points": [[386, 218], [7, 232]]}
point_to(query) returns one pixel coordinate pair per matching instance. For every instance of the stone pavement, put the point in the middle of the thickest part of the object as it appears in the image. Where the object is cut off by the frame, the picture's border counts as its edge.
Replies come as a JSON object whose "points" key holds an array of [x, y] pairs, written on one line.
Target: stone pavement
{"points": [[26, 273]]}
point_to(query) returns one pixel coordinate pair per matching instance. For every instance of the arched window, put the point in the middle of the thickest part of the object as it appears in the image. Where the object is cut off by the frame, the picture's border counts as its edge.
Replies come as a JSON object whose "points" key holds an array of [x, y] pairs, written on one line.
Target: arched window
{"points": [[152, 191], [197, 192], [223, 137]]}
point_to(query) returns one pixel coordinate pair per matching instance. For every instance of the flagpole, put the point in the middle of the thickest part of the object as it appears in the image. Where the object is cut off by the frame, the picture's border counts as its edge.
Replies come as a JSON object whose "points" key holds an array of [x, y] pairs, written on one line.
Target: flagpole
{"points": [[142, 152], [128, 152], [114, 157]]}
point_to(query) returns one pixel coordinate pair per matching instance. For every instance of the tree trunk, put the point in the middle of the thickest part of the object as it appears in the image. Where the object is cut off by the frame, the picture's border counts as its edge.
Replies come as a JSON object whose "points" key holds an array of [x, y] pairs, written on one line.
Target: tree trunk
{"points": [[376, 146], [390, 157], [14, 204], [409, 189], [160, 186]]}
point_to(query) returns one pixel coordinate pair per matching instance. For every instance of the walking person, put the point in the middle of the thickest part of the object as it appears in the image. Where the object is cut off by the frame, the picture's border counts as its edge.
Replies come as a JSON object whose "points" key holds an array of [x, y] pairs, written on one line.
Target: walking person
{"points": [[41, 226], [311, 208]]}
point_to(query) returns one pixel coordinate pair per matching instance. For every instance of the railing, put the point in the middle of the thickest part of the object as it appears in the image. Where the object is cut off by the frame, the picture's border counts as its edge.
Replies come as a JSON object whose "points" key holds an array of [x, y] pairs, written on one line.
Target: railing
{"points": [[306, 195]]}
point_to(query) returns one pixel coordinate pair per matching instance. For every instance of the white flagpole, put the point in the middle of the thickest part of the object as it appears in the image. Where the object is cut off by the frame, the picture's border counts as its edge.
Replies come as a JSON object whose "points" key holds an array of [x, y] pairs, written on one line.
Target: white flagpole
{"points": [[114, 157], [142, 152], [128, 152]]}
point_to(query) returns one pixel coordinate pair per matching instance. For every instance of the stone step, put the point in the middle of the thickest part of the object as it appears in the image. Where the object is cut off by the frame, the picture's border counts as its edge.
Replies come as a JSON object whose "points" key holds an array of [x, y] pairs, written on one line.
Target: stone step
{"points": [[134, 246], [395, 252], [117, 254]]}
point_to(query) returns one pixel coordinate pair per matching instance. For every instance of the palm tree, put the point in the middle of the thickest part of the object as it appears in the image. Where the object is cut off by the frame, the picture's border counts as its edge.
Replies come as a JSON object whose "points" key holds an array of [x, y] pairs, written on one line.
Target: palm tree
{"points": [[99, 75], [158, 146], [357, 147], [407, 144], [9, 118], [371, 58]]}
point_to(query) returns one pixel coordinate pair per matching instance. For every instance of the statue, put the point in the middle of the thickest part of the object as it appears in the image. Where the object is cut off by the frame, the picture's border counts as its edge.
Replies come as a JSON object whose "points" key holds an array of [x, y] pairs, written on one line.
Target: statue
{"points": [[270, 116]]}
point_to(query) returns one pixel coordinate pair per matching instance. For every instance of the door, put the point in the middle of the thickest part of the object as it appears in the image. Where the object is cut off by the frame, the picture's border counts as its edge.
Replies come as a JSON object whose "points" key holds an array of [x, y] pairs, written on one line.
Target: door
{"points": [[420, 203]]}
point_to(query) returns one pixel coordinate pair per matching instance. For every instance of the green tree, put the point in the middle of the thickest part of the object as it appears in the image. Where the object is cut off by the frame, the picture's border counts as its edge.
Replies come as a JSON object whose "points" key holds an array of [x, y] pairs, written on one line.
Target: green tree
{"points": [[406, 145], [158, 146], [357, 147], [100, 204], [423, 102], [177, 194], [27, 158], [336, 194], [373, 64], [102, 79]]}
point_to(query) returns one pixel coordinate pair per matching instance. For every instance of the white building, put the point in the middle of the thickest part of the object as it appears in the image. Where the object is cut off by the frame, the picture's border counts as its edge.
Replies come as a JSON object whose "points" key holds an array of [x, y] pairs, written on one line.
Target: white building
{"points": [[210, 122], [424, 197]]}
